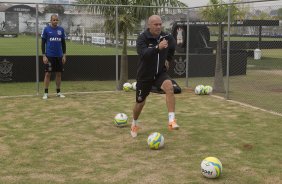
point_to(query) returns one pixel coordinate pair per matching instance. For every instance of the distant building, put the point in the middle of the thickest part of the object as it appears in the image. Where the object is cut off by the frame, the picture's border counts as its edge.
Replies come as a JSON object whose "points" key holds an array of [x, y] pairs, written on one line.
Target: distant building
{"points": [[60, 1]]}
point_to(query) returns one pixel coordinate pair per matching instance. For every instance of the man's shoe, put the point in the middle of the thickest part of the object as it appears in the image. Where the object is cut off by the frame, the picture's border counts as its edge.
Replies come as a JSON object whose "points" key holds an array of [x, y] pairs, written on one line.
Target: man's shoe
{"points": [[173, 125], [60, 95], [45, 96], [134, 130]]}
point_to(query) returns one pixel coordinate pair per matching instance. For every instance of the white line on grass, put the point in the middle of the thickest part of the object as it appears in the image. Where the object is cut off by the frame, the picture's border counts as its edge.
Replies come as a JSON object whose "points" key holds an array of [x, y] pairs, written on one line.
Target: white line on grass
{"points": [[248, 105], [53, 94], [96, 92]]}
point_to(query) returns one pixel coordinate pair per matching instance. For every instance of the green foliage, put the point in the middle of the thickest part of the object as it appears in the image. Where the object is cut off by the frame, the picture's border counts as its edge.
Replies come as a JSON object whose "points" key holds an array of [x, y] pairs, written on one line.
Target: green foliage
{"points": [[217, 12], [279, 13], [54, 8], [262, 15]]}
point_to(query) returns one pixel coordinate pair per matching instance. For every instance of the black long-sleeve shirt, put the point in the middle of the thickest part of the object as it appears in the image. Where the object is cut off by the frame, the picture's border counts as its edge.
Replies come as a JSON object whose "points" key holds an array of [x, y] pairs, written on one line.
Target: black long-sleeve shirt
{"points": [[151, 59]]}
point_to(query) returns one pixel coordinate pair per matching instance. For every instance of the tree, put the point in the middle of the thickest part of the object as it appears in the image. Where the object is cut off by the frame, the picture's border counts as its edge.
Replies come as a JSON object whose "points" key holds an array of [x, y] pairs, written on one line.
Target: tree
{"points": [[129, 17], [218, 13], [279, 13], [54, 8]]}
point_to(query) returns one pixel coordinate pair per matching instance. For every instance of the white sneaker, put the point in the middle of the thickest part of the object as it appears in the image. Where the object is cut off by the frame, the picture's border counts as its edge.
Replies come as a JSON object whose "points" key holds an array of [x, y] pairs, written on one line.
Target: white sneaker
{"points": [[45, 96], [60, 95]]}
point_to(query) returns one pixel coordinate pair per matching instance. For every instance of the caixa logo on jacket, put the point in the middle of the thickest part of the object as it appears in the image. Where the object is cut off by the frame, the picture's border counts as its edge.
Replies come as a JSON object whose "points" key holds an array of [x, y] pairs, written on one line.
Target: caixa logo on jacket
{"points": [[6, 70], [180, 66]]}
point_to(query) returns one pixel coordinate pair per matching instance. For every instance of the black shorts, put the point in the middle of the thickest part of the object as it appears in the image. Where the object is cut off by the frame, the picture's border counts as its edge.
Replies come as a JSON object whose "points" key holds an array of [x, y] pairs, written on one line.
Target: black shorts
{"points": [[143, 87], [55, 64]]}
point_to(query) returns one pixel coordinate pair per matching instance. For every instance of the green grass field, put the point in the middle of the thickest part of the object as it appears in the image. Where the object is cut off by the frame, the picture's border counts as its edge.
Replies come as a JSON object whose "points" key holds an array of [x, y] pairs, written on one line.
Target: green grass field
{"points": [[73, 140], [26, 46]]}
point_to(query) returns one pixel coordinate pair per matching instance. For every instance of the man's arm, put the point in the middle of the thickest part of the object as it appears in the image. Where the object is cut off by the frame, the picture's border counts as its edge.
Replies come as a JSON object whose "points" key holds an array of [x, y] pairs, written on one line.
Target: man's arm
{"points": [[171, 48], [64, 46], [143, 50], [43, 44], [64, 50], [43, 49]]}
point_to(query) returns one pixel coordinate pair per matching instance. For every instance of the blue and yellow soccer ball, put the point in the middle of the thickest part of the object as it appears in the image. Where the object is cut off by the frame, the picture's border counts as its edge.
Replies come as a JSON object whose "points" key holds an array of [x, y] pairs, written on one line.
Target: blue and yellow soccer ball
{"points": [[120, 120], [155, 141], [199, 89], [211, 167], [127, 87]]}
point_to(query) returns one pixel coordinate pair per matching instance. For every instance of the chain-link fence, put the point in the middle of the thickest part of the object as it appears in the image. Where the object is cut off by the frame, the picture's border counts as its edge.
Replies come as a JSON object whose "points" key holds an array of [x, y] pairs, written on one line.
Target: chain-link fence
{"points": [[250, 53], [247, 68]]}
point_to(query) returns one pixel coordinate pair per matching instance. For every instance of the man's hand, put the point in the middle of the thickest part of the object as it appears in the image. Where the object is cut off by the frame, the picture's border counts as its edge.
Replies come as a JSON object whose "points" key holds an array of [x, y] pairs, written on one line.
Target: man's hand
{"points": [[64, 59], [163, 44], [167, 64], [45, 59]]}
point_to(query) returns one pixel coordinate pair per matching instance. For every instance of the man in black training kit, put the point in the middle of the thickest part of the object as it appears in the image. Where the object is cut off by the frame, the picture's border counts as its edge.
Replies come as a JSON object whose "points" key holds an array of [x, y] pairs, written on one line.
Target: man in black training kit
{"points": [[54, 54], [155, 49]]}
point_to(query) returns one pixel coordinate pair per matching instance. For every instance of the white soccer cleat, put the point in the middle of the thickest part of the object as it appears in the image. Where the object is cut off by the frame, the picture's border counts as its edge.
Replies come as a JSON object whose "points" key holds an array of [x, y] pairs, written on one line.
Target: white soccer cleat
{"points": [[60, 95], [45, 96]]}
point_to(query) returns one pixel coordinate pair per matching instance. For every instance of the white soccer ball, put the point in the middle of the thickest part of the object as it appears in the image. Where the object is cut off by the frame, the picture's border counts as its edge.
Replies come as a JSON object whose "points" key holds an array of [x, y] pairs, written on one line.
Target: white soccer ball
{"points": [[120, 119], [199, 89], [134, 86], [155, 141], [211, 167], [208, 90], [127, 87]]}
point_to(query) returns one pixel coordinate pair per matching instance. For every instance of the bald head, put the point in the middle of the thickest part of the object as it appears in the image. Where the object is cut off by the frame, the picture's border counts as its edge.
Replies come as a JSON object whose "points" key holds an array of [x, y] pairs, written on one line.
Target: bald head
{"points": [[54, 20], [155, 25]]}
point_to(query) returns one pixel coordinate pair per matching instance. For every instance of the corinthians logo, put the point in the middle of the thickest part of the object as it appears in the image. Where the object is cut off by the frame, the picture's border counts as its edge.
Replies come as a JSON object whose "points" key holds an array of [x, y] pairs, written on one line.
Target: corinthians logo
{"points": [[179, 66], [6, 70]]}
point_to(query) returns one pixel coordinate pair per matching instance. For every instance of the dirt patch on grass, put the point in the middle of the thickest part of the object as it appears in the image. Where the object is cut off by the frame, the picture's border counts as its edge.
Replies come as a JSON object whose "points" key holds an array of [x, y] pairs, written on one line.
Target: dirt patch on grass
{"points": [[247, 147]]}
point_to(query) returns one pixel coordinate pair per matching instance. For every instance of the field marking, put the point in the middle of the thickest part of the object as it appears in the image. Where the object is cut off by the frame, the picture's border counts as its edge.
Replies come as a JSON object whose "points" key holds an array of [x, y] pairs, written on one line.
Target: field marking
{"points": [[116, 91], [67, 93], [248, 105]]}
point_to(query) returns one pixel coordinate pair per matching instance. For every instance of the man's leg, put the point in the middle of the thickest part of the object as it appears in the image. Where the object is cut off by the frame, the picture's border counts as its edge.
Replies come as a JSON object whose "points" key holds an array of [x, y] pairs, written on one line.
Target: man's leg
{"points": [[137, 109], [167, 87], [58, 84], [170, 99], [58, 80], [46, 84]]}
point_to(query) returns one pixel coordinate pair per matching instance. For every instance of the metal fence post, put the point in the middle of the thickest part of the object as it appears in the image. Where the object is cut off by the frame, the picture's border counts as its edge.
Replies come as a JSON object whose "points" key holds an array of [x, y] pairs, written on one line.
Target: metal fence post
{"points": [[228, 55], [37, 51], [117, 83], [187, 49]]}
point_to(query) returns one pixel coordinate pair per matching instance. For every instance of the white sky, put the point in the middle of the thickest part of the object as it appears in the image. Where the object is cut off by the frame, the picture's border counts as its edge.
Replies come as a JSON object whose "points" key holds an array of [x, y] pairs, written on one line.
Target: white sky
{"points": [[190, 3], [23, 1], [194, 3]]}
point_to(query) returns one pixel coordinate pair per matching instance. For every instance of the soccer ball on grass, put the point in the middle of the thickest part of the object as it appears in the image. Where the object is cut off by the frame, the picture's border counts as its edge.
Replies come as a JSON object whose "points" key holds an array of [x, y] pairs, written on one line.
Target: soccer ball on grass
{"points": [[134, 86], [120, 120], [127, 87], [155, 141], [207, 90], [199, 89], [211, 167]]}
